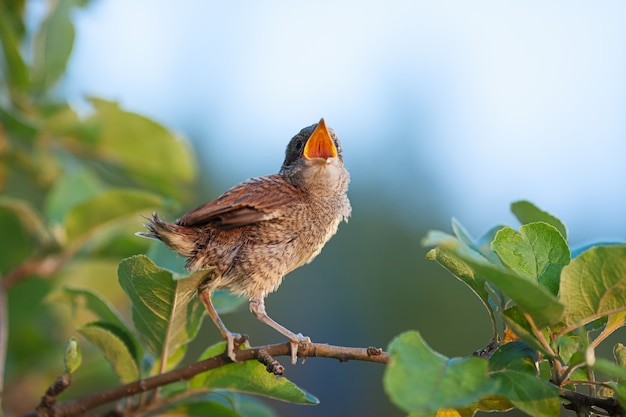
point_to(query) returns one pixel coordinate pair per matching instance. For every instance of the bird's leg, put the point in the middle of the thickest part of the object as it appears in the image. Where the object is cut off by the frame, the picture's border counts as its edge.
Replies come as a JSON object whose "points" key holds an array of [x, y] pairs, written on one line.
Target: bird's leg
{"points": [[257, 307], [205, 296]]}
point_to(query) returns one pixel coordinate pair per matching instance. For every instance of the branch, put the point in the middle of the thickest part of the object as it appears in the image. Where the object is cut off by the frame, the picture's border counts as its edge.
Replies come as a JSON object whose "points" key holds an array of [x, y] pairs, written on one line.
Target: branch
{"points": [[43, 267], [262, 354], [582, 402]]}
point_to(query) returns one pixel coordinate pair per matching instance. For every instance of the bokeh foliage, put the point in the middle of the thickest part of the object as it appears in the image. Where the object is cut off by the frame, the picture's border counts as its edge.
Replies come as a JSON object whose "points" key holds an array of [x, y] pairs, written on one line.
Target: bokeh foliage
{"points": [[71, 188]]}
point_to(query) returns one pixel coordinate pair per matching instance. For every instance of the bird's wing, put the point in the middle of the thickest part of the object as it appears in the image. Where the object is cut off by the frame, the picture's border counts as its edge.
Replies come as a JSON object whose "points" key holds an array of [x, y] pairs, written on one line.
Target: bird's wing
{"points": [[252, 201]]}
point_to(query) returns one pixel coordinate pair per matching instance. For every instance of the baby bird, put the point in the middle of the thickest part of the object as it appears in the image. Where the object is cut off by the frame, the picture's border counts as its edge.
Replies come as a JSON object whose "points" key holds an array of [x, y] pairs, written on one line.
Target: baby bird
{"points": [[265, 227]]}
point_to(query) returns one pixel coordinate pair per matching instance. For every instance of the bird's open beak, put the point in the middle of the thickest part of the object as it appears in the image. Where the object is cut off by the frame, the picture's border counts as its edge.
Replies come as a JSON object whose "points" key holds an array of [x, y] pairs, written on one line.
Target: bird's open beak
{"points": [[320, 145]]}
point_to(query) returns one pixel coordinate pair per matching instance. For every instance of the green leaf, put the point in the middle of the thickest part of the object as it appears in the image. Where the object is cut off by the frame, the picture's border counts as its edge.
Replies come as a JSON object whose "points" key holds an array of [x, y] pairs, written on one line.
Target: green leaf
{"points": [[79, 298], [16, 250], [613, 322], [514, 356], [526, 212], [585, 248], [529, 393], [530, 297], [513, 365], [165, 309], [223, 301], [116, 346], [14, 66], [29, 218], [17, 125], [250, 377], [107, 207], [147, 151], [73, 356], [593, 285], [461, 271], [537, 252], [608, 368], [69, 191], [422, 381], [515, 320], [222, 404], [53, 45]]}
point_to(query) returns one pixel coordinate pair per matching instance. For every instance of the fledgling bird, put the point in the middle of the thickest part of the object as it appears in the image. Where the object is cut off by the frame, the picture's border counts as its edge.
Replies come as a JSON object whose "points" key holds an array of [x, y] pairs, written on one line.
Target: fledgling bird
{"points": [[263, 228]]}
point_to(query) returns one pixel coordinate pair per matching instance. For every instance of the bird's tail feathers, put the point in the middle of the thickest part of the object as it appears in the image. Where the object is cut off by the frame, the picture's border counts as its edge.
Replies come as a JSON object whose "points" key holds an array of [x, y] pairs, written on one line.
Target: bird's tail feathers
{"points": [[173, 235]]}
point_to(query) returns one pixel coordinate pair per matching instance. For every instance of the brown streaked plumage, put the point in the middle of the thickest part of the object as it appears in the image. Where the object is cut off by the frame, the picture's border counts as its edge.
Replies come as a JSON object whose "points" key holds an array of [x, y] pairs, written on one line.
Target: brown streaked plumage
{"points": [[260, 230]]}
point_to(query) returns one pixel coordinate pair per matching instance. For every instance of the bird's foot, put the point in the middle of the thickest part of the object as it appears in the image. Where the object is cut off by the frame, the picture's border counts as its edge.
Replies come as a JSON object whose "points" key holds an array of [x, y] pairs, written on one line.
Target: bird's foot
{"points": [[295, 343], [233, 342]]}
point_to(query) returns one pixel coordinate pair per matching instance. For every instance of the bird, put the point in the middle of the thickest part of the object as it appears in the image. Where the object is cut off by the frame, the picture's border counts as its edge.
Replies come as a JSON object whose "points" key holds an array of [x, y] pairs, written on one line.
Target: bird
{"points": [[263, 228]]}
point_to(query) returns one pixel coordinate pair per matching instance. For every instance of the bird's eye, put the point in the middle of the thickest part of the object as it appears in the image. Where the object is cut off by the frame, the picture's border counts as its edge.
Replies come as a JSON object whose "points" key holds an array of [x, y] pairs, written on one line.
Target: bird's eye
{"points": [[337, 145], [298, 145]]}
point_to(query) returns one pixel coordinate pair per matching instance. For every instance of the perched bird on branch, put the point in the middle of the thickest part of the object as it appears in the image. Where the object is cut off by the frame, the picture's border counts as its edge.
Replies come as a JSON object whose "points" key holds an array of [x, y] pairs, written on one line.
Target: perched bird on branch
{"points": [[260, 230]]}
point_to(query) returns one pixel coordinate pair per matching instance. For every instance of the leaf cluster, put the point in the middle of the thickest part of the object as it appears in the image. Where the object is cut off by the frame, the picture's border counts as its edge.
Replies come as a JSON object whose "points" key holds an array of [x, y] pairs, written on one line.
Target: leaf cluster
{"points": [[549, 311], [64, 177]]}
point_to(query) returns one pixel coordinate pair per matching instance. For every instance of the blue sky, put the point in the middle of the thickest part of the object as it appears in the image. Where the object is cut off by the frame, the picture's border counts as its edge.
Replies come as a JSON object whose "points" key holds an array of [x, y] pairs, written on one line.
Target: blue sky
{"points": [[485, 102]]}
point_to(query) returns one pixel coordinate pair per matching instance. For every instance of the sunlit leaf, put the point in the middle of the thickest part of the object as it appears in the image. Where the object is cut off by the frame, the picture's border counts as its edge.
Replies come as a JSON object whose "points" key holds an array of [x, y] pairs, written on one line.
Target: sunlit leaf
{"points": [[165, 309], [422, 381], [526, 212], [107, 207], [488, 403], [79, 298], [517, 323], [13, 64], [147, 151], [593, 285], [537, 252], [450, 412], [116, 346], [53, 45], [613, 322], [585, 248], [528, 295], [28, 216], [69, 191], [461, 271], [250, 377]]}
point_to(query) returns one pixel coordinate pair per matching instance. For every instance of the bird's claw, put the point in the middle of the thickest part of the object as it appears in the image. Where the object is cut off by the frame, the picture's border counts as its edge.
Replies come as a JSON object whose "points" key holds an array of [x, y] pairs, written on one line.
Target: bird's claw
{"points": [[233, 342], [295, 343]]}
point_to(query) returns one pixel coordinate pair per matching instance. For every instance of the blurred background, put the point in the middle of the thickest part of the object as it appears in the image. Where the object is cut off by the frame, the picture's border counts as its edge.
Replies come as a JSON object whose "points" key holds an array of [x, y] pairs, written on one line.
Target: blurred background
{"points": [[445, 109]]}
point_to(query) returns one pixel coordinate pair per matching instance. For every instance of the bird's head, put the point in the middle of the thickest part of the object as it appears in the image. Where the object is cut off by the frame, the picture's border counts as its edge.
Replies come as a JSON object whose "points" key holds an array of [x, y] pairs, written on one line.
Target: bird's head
{"points": [[313, 159]]}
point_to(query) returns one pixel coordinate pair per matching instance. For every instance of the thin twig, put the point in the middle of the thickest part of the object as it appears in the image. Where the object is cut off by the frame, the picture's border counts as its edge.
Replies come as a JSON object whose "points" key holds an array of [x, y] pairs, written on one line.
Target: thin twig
{"points": [[80, 406], [42, 267]]}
